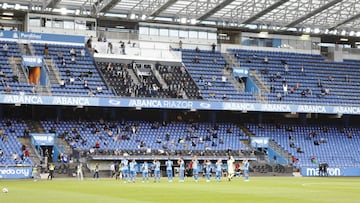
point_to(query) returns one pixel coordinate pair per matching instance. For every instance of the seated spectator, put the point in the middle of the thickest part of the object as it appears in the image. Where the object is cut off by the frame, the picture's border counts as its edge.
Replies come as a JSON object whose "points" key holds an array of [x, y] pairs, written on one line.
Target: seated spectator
{"points": [[295, 160], [197, 49], [158, 140], [60, 56], [286, 69], [330, 78], [291, 90], [266, 60], [46, 50], [349, 135], [319, 84], [229, 130], [347, 78], [303, 94], [313, 160], [292, 145], [68, 72], [7, 89], [213, 144], [316, 142], [327, 91], [71, 80], [62, 83], [248, 60], [15, 78], [193, 143], [224, 97], [299, 150], [196, 59], [97, 144], [72, 52], [82, 52], [302, 70], [86, 86], [279, 96], [73, 59], [99, 89], [323, 140]]}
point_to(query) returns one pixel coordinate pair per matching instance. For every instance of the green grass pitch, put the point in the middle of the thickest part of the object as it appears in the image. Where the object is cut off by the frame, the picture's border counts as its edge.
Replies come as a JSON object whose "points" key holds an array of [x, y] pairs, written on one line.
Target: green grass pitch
{"points": [[259, 190]]}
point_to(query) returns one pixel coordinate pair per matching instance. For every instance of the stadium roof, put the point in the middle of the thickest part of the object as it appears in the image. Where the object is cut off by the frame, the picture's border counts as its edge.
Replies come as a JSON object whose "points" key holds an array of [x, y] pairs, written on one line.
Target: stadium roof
{"points": [[281, 14]]}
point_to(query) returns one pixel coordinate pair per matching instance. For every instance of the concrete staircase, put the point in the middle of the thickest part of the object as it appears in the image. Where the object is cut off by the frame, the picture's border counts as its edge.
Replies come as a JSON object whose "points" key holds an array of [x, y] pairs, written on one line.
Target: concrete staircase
{"points": [[261, 84], [18, 70], [26, 49], [133, 76], [240, 87], [231, 60], [34, 155], [35, 126], [159, 78], [54, 74]]}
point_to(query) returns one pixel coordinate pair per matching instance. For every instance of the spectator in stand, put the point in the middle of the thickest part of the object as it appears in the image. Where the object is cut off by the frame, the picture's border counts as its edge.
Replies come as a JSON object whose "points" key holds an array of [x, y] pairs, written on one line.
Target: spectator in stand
{"points": [[291, 90], [285, 88], [213, 47], [180, 44], [196, 59], [5, 49], [349, 135], [266, 60], [224, 97], [82, 52], [97, 144], [303, 94], [72, 52], [302, 70], [63, 63], [46, 50], [7, 89], [295, 160], [197, 49], [89, 42], [15, 78], [73, 59], [313, 160], [110, 48], [248, 60], [86, 86], [71, 80], [347, 78], [279, 96], [99, 89], [286, 68], [319, 84]]}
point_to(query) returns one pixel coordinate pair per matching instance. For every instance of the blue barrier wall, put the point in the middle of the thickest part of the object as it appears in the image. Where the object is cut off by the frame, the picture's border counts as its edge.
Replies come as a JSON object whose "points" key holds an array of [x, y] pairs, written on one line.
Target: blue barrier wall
{"points": [[15, 172]]}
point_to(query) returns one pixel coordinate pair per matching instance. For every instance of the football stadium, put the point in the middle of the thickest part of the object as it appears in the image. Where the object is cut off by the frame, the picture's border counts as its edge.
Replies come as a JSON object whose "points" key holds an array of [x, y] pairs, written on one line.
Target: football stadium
{"points": [[179, 101]]}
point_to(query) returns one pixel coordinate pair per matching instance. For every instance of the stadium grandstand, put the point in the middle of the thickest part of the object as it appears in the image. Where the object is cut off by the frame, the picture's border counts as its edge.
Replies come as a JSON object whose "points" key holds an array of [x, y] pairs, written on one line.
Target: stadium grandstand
{"points": [[95, 82]]}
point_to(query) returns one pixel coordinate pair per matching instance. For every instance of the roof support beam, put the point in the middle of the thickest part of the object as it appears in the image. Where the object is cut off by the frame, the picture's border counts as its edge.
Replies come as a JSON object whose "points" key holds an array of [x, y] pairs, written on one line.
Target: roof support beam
{"points": [[314, 12], [215, 9], [265, 11], [51, 4], [163, 7], [106, 5], [352, 18]]}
